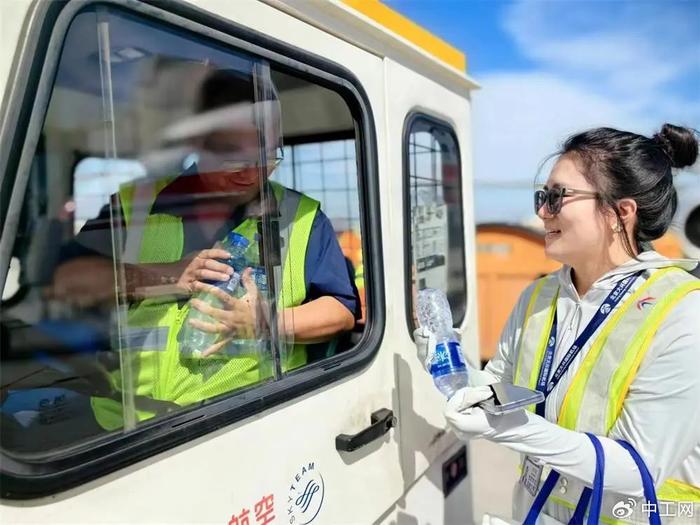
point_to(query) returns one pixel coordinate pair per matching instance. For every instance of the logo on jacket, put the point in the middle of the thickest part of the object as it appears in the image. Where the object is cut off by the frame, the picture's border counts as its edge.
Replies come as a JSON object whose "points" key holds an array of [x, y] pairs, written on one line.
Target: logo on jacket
{"points": [[644, 303], [305, 495], [624, 509], [605, 309]]}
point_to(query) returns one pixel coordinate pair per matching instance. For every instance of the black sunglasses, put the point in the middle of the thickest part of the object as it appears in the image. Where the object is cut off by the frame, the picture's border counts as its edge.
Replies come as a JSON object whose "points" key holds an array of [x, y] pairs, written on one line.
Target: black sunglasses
{"points": [[554, 197]]}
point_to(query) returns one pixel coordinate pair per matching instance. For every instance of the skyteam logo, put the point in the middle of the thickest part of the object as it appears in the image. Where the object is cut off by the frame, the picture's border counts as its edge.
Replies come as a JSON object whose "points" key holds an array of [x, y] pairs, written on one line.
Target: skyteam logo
{"points": [[645, 303], [305, 496], [605, 309]]}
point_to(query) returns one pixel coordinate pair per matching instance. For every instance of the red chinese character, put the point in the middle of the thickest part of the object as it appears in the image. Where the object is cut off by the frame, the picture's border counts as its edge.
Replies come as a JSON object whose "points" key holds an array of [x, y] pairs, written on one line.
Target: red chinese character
{"points": [[264, 510], [241, 519]]}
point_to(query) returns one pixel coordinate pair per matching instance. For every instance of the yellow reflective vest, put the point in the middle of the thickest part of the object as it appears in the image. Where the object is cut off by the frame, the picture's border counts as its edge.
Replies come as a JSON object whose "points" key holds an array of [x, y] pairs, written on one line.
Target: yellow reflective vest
{"points": [[595, 397], [159, 374]]}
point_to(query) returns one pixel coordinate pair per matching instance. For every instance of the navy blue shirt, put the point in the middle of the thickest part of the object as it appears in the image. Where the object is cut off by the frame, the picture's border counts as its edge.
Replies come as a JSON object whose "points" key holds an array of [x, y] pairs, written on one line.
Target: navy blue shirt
{"points": [[326, 270]]}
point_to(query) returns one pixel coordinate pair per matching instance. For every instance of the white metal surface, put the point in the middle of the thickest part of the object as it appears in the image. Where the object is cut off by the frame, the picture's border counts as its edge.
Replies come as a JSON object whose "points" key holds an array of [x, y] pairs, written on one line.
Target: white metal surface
{"points": [[339, 19], [13, 15], [688, 200], [424, 502], [423, 436]]}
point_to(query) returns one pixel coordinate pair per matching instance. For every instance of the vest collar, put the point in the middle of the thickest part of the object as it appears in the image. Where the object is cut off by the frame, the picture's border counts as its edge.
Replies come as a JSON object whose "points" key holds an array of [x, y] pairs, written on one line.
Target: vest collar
{"points": [[645, 261], [177, 199]]}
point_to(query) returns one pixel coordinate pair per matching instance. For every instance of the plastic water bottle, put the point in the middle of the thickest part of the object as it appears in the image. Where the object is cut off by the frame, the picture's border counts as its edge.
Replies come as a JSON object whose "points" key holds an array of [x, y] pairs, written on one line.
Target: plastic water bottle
{"points": [[257, 274], [447, 366], [193, 340], [260, 279], [255, 345]]}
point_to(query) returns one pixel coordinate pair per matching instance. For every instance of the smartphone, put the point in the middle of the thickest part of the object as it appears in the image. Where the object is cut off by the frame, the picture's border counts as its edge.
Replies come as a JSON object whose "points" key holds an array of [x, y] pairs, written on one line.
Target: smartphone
{"points": [[508, 398]]}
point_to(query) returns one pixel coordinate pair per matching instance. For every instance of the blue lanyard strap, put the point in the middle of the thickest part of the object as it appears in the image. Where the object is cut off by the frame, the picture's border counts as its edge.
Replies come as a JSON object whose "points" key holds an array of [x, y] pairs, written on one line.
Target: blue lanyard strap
{"points": [[613, 298], [547, 365], [594, 495], [647, 483], [598, 481], [580, 512]]}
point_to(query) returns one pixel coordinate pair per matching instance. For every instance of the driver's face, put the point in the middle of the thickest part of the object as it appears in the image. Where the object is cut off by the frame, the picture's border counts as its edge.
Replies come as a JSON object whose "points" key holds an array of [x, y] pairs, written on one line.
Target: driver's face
{"points": [[229, 159]]}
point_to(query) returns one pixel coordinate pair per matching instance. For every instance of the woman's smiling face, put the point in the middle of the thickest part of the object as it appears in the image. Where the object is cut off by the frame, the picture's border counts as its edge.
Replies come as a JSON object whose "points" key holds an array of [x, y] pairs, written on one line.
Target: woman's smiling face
{"points": [[580, 229]]}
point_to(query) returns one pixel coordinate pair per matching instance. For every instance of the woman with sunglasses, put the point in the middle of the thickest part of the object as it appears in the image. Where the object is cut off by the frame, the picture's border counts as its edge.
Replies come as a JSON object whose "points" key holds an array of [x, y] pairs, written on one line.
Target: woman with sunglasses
{"points": [[612, 340]]}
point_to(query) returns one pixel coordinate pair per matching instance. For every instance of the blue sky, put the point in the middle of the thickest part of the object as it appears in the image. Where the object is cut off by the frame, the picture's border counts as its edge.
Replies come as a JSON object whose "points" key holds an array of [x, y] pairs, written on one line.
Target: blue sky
{"points": [[551, 68]]}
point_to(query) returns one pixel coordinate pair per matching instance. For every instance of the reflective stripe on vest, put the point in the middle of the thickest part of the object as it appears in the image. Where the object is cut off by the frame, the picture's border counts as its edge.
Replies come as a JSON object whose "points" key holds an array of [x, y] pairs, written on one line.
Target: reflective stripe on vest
{"points": [[538, 321], [360, 276], [606, 372], [595, 397], [152, 326]]}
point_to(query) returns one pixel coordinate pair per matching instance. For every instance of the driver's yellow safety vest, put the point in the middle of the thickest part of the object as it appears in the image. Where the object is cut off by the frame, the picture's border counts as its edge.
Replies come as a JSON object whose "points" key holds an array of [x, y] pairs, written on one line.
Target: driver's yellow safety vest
{"points": [[596, 395], [160, 374]]}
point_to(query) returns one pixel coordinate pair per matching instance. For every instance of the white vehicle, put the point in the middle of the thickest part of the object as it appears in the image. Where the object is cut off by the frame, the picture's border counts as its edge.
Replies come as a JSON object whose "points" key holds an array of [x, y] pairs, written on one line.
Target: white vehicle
{"points": [[686, 223], [375, 124]]}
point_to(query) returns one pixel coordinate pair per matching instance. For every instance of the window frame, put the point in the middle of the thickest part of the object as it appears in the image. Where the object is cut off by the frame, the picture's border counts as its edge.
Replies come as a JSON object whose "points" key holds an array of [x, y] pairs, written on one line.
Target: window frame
{"points": [[411, 118], [29, 87]]}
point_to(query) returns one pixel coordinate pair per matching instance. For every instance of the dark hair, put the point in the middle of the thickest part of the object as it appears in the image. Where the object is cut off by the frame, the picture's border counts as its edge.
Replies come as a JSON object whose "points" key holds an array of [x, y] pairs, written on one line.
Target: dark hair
{"points": [[620, 165], [224, 87]]}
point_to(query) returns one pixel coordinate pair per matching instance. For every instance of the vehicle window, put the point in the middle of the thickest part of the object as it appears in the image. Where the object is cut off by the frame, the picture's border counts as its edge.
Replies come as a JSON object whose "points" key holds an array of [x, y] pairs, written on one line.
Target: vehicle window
{"points": [[436, 242], [190, 230]]}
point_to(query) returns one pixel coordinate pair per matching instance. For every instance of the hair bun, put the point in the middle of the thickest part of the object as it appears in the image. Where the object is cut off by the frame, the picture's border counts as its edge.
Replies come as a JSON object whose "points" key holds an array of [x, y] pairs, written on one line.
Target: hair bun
{"points": [[679, 143]]}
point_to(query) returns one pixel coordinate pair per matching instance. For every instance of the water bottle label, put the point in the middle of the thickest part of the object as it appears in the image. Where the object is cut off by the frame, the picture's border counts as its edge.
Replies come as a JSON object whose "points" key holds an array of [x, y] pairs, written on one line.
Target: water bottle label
{"points": [[448, 359], [237, 263]]}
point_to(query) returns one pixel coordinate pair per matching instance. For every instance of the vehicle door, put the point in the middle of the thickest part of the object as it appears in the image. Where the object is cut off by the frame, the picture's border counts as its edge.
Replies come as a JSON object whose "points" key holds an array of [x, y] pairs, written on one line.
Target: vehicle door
{"points": [[430, 150], [140, 135]]}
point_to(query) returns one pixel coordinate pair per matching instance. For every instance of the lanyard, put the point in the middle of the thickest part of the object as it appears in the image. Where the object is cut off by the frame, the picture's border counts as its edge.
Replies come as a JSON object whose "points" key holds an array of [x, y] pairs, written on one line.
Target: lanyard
{"points": [[594, 495], [608, 305]]}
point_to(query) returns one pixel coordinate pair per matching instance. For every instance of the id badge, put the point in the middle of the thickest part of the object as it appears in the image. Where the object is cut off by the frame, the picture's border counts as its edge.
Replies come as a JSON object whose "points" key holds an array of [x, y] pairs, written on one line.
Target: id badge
{"points": [[532, 474]]}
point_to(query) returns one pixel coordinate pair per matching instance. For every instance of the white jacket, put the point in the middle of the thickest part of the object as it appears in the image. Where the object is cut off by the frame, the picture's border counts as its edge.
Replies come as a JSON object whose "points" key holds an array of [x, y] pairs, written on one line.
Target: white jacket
{"points": [[661, 415]]}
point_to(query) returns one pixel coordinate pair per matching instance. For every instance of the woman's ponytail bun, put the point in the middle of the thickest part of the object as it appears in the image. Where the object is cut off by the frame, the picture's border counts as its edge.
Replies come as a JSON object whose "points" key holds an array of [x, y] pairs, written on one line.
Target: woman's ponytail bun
{"points": [[680, 144]]}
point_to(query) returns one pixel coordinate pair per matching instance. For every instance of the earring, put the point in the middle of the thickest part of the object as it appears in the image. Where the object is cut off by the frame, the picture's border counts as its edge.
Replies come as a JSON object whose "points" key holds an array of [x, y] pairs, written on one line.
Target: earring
{"points": [[617, 228]]}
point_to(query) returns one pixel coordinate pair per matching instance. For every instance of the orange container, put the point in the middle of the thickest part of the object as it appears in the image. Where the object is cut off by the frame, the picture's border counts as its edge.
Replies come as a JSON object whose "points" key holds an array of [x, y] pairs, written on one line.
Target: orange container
{"points": [[508, 259]]}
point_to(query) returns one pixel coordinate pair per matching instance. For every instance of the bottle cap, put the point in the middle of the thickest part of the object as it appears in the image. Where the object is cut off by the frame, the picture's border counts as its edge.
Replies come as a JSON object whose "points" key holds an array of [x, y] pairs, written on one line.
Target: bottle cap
{"points": [[236, 239]]}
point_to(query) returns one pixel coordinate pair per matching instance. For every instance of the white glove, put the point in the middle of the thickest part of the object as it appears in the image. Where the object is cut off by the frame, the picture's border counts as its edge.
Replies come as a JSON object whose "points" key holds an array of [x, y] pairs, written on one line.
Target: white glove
{"points": [[469, 421], [425, 346]]}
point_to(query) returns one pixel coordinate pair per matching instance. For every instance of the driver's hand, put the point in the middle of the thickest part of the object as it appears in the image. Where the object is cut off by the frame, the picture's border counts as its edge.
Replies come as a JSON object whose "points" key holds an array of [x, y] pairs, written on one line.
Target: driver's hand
{"points": [[204, 266], [236, 320]]}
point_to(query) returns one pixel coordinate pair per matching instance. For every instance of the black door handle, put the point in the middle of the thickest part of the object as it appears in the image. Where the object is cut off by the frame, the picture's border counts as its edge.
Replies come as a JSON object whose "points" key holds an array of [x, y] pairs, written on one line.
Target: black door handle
{"points": [[380, 423]]}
